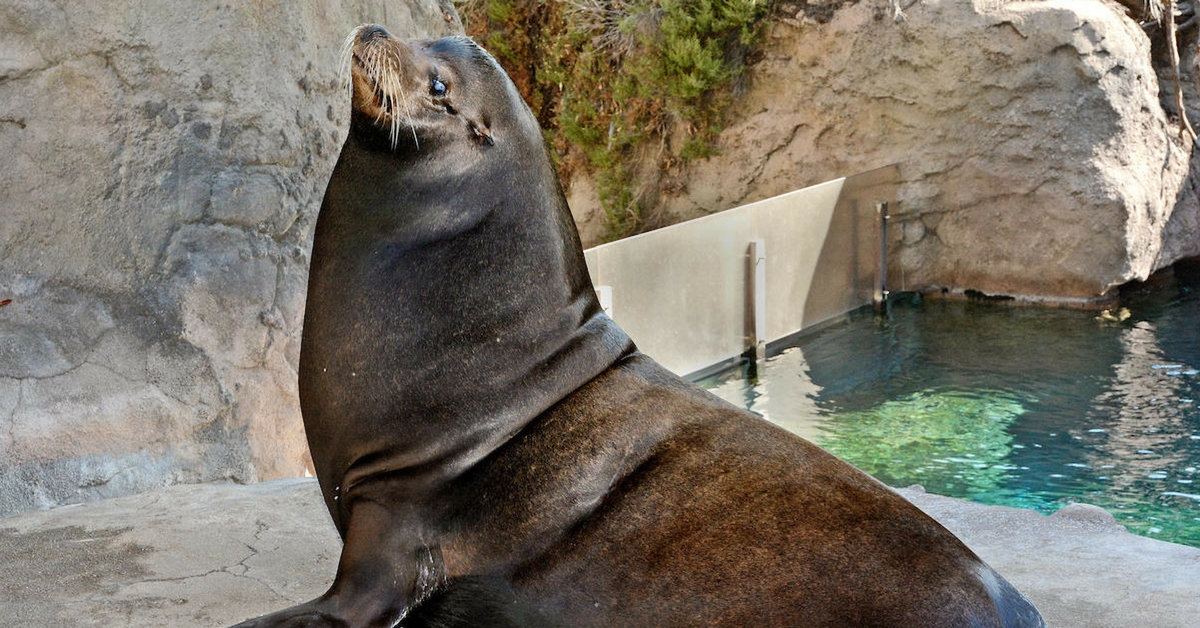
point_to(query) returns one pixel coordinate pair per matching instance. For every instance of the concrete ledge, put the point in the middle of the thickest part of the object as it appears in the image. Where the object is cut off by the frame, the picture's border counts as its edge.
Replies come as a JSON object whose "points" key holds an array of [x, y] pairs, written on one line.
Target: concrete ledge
{"points": [[213, 555], [1078, 566]]}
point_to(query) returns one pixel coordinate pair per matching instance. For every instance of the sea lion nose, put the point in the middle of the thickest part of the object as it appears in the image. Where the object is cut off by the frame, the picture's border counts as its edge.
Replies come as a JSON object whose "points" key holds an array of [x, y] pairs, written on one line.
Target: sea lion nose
{"points": [[372, 32]]}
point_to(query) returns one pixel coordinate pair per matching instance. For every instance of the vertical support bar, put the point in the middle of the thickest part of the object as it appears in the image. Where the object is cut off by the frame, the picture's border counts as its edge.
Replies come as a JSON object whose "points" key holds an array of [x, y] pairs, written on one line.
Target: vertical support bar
{"points": [[605, 294], [881, 292], [757, 301]]}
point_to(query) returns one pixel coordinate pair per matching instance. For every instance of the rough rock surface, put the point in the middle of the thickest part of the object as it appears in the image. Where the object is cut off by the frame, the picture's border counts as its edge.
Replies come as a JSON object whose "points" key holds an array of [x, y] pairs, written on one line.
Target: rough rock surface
{"points": [[1035, 156], [163, 166]]}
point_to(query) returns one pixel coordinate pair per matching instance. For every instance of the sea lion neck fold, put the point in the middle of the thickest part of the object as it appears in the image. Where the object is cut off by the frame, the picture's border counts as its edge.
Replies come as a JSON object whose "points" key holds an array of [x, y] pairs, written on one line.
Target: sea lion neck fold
{"points": [[447, 307]]}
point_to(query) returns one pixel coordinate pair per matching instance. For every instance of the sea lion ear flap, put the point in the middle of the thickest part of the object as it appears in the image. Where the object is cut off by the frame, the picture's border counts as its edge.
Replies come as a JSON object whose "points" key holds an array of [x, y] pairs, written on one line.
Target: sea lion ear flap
{"points": [[482, 132]]}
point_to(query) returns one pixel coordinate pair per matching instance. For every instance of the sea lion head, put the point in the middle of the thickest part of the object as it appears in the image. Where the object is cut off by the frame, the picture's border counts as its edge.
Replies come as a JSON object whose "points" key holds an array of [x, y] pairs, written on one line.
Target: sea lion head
{"points": [[424, 91]]}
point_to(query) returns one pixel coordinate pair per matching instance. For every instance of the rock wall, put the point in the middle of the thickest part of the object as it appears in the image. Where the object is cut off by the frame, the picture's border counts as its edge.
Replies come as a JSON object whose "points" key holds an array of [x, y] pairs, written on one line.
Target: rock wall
{"points": [[1036, 159], [163, 164]]}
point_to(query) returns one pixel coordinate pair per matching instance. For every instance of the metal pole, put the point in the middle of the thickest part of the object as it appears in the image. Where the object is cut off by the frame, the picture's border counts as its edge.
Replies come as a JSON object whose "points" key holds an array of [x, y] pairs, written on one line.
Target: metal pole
{"points": [[881, 292], [757, 338], [605, 295]]}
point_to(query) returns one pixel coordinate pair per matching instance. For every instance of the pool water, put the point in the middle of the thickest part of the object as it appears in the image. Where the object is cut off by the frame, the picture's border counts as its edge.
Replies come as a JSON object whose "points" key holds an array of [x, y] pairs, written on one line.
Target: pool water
{"points": [[1017, 406]]}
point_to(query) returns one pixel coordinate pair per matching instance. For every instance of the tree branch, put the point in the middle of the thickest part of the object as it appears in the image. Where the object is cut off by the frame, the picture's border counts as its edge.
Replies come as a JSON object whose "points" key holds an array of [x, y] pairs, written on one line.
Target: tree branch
{"points": [[1185, 126]]}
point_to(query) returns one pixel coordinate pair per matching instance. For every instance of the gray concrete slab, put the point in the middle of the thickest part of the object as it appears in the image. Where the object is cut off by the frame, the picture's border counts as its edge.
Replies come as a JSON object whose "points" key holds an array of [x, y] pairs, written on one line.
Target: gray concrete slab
{"points": [[212, 555]]}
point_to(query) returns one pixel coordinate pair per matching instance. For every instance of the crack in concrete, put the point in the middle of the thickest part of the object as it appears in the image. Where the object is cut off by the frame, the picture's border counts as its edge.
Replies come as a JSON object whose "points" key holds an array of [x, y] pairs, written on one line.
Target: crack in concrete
{"points": [[261, 527], [229, 570], [12, 416], [105, 55], [38, 378], [147, 506], [762, 164], [105, 367], [277, 325], [90, 345], [17, 75]]}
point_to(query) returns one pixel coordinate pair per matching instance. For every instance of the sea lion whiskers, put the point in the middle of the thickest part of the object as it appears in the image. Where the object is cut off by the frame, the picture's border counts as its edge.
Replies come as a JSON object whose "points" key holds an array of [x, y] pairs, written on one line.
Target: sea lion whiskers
{"points": [[346, 60], [380, 62], [392, 86], [374, 58]]}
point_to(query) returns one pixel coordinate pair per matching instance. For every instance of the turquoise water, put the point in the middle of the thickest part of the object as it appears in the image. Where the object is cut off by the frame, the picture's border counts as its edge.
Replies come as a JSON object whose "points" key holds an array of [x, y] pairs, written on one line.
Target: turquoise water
{"points": [[1028, 407]]}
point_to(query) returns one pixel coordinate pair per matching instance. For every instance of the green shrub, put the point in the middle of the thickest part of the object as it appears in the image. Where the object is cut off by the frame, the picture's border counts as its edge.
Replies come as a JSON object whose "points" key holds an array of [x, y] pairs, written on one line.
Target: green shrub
{"points": [[612, 76]]}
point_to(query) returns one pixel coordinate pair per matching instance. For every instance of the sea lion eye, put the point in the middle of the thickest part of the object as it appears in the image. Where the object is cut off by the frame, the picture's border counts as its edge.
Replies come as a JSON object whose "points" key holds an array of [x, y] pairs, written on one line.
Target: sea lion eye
{"points": [[437, 87]]}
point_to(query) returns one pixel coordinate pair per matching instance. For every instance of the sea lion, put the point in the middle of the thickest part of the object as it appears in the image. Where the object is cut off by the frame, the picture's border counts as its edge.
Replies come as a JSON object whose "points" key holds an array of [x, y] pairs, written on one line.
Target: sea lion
{"points": [[492, 446]]}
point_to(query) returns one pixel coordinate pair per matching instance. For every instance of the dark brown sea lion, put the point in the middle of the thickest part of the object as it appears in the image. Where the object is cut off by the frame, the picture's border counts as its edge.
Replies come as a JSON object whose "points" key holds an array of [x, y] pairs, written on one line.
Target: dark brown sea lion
{"points": [[495, 451]]}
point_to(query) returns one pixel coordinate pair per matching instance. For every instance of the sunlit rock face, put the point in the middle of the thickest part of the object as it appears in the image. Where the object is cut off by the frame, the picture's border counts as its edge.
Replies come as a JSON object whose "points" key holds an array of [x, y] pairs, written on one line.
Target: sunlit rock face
{"points": [[1036, 158], [162, 168]]}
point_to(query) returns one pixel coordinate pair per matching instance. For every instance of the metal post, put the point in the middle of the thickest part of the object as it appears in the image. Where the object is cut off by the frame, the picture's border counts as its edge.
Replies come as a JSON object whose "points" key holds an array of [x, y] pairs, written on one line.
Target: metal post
{"points": [[757, 301], [605, 294], [881, 292]]}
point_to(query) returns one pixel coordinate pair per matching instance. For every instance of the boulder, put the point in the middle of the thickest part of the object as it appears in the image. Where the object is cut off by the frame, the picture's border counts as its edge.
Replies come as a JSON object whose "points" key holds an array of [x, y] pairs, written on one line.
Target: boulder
{"points": [[163, 167], [1036, 159]]}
